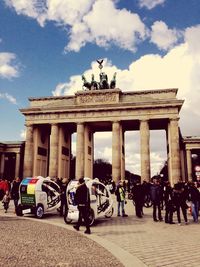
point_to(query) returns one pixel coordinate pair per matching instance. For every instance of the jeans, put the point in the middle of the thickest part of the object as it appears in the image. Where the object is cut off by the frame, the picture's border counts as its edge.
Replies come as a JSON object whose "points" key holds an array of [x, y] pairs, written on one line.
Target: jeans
{"points": [[83, 214], [121, 204], [16, 202], [195, 211], [184, 211], [157, 211]]}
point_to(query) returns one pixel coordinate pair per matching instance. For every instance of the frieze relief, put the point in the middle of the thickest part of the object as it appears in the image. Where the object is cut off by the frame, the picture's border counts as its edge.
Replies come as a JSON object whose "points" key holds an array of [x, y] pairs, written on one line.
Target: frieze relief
{"points": [[97, 98]]}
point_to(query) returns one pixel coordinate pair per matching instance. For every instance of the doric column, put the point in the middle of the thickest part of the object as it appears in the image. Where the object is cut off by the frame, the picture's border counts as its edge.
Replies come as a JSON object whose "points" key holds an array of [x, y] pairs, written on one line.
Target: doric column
{"points": [[189, 164], [80, 151], [144, 150], [174, 168], [53, 157], [116, 152], [28, 154], [17, 164], [2, 164], [122, 156], [89, 148]]}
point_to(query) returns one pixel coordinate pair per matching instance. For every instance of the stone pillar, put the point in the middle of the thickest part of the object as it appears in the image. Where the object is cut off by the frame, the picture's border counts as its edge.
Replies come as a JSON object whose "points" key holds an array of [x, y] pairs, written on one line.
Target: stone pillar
{"points": [[144, 150], [80, 151], [189, 164], [174, 168], [64, 152], [28, 154], [116, 152], [2, 164], [89, 152], [53, 155], [122, 156], [17, 164]]}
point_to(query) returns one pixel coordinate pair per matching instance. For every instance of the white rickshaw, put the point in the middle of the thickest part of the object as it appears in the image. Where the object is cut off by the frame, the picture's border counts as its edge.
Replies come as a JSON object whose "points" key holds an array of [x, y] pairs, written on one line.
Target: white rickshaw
{"points": [[101, 202], [38, 195]]}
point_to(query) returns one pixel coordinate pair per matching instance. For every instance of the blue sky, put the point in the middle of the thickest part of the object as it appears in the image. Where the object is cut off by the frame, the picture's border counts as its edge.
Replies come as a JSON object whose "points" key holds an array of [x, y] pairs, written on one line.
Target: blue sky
{"points": [[46, 45]]}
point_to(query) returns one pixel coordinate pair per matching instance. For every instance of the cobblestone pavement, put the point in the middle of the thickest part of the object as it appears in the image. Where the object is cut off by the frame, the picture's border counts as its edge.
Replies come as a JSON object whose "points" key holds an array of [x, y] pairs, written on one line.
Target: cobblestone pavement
{"points": [[150, 243], [27, 243]]}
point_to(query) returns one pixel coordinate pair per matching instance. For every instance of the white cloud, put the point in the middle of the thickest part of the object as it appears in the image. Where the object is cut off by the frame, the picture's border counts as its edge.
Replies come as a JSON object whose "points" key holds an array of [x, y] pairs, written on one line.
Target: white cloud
{"points": [[8, 66], [88, 21], [32, 8], [67, 12], [149, 4], [164, 37], [23, 134], [8, 97], [108, 25]]}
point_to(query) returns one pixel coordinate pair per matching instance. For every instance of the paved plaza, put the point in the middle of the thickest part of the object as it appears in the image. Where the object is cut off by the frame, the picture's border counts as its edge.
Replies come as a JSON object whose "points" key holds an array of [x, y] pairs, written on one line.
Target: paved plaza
{"points": [[118, 241]]}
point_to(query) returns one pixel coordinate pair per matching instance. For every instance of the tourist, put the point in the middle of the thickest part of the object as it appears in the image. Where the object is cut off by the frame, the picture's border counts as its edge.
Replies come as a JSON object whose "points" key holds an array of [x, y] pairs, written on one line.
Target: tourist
{"points": [[179, 198], [120, 194], [6, 201], [194, 197], [156, 194], [138, 198], [15, 191], [82, 200], [169, 204]]}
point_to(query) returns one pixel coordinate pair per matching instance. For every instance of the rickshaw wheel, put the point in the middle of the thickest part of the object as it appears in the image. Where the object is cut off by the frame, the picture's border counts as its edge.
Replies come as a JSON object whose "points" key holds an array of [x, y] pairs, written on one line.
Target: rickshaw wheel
{"points": [[39, 212], [19, 210], [66, 219], [110, 213], [91, 217]]}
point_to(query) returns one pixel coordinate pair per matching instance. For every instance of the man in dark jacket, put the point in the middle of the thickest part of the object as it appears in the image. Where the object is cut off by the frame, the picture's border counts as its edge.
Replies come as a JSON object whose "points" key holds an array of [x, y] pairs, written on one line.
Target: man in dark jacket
{"points": [[156, 194], [15, 191], [82, 199], [138, 198]]}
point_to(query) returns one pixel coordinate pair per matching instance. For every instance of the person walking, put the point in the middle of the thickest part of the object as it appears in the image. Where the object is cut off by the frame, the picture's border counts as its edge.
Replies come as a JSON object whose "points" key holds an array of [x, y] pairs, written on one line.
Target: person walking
{"points": [[179, 197], [6, 201], [120, 194], [82, 200], [169, 205], [194, 197], [138, 198], [15, 191]]}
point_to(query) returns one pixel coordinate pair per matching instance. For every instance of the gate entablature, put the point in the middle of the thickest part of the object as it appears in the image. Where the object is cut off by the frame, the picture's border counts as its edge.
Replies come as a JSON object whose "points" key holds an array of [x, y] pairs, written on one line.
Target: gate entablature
{"points": [[97, 105]]}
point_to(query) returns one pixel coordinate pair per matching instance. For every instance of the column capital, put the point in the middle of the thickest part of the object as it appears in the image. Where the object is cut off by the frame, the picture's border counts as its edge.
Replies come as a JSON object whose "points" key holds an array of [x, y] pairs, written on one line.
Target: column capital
{"points": [[144, 120], [28, 124], [80, 123], [174, 119], [54, 124]]}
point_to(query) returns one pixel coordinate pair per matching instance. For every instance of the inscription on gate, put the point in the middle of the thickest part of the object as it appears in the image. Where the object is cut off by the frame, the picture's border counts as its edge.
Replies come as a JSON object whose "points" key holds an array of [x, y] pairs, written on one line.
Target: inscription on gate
{"points": [[97, 98]]}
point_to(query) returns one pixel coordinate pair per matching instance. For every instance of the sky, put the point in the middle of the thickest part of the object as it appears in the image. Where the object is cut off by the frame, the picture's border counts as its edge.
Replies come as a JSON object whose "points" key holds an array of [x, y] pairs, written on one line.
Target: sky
{"points": [[46, 45]]}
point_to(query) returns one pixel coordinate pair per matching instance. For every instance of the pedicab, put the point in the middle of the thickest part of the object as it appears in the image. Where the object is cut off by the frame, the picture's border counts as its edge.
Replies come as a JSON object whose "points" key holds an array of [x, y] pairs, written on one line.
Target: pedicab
{"points": [[38, 195], [101, 202]]}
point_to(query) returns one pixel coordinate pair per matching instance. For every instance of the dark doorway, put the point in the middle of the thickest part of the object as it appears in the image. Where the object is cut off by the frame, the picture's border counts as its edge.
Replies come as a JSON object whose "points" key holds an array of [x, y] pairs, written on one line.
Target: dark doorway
{"points": [[9, 167]]}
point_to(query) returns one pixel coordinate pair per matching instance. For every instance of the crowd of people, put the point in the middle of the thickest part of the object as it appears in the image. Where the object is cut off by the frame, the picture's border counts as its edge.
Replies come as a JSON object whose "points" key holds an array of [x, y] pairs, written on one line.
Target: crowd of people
{"points": [[168, 200]]}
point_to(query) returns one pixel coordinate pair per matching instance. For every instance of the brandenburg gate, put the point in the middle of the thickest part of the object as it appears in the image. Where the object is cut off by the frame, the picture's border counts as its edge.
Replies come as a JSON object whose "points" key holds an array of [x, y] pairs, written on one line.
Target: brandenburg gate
{"points": [[51, 121]]}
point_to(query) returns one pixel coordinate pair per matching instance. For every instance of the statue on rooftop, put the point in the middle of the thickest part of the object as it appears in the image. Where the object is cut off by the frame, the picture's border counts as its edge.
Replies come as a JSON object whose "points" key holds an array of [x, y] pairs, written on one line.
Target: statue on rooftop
{"points": [[113, 81], [103, 83]]}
